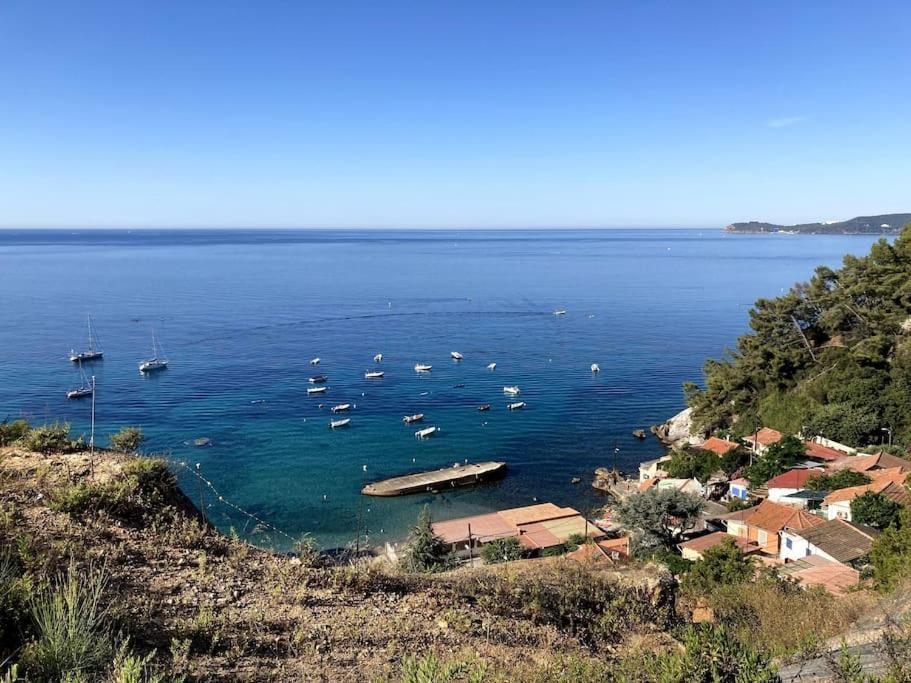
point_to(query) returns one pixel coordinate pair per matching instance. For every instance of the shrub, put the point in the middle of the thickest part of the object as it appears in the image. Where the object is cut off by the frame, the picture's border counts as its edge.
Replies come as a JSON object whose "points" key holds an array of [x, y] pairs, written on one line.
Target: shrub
{"points": [[72, 633], [53, 438], [875, 509], [839, 480], [713, 653], [720, 565], [14, 595], [891, 553], [128, 439], [10, 432], [502, 550], [776, 459], [425, 551], [692, 463], [431, 669], [733, 460], [662, 515]]}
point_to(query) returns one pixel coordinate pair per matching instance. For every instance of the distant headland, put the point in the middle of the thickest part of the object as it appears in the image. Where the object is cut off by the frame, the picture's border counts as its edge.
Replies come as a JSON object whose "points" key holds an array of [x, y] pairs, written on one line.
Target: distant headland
{"points": [[890, 223]]}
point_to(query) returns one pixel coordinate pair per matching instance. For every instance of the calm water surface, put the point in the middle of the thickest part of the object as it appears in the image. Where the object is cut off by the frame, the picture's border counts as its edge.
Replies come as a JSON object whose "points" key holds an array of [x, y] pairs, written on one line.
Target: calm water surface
{"points": [[241, 313]]}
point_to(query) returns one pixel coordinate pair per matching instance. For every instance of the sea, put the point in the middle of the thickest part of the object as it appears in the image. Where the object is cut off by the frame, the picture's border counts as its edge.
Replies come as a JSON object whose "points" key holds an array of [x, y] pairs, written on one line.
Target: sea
{"points": [[240, 314]]}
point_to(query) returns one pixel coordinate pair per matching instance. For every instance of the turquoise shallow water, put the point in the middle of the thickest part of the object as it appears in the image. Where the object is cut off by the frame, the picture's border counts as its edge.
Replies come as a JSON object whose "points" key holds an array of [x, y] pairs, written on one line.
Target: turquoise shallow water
{"points": [[240, 313]]}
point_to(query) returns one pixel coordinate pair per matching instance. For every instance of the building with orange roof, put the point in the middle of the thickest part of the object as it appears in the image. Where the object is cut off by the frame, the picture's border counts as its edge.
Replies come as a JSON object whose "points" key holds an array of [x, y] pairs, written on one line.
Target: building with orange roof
{"points": [[762, 439], [607, 551], [761, 524], [717, 446], [789, 482], [816, 451], [538, 527], [695, 547], [872, 463], [815, 571], [837, 505]]}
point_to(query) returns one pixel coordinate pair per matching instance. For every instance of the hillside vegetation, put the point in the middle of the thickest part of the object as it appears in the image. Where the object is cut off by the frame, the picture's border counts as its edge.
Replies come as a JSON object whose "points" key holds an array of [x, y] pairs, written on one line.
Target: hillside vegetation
{"points": [[832, 357], [862, 225]]}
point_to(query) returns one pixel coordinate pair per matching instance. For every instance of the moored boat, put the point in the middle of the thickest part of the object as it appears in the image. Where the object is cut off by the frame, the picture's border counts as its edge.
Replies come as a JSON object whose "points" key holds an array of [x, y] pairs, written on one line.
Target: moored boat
{"points": [[373, 374], [341, 408], [518, 405], [81, 392], [456, 355], [423, 367], [314, 361], [377, 358], [417, 417], [318, 379], [316, 390], [491, 366], [426, 432], [92, 352], [560, 311], [512, 391], [157, 361], [596, 368], [484, 407], [335, 424]]}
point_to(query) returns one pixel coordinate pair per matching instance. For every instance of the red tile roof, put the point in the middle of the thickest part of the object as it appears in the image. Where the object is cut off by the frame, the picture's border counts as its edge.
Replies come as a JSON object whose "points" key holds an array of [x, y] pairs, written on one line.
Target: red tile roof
{"points": [[765, 436], [792, 479], [816, 571], [716, 445], [703, 543], [774, 517], [819, 452], [881, 480]]}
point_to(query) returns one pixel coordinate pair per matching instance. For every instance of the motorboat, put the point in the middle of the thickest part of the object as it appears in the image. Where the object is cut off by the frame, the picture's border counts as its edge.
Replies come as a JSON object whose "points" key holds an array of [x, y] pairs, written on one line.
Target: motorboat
{"points": [[316, 390], [314, 361], [423, 367], [93, 350], [335, 424], [341, 408], [318, 379], [596, 368], [157, 361], [417, 417], [560, 311], [518, 405], [491, 366], [512, 391], [373, 374], [460, 385], [483, 408], [426, 432], [378, 357], [456, 355]]}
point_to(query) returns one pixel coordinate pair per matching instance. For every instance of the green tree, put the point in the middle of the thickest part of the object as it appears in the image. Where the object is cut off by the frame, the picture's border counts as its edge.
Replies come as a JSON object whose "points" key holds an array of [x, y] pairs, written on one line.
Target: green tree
{"points": [[11, 432], [891, 553], [839, 480], [50, 438], [128, 439], [875, 509], [502, 550], [720, 565], [425, 551], [851, 424], [734, 460], [692, 463], [776, 459], [661, 516]]}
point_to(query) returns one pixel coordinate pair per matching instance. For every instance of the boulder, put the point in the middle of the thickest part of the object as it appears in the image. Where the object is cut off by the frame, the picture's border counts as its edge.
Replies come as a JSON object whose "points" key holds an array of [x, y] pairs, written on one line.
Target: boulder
{"points": [[676, 431]]}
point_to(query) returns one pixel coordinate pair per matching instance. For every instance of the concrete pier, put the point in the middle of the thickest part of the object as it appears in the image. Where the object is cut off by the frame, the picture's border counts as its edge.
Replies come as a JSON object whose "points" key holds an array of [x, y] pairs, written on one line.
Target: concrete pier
{"points": [[436, 480]]}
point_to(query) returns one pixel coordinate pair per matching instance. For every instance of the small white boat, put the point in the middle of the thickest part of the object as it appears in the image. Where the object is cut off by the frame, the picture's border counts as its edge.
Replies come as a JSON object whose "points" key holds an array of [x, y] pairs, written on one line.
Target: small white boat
{"points": [[373, 374], [512, 391], [417, 417], [377, 358], [426, 432], [456, 355], [316, 390], [491, 366], [156, 362], [340, 408], [335, 424], [596, 367], [518, 405], [315, 361], [560, 311], [318, 379], [423, 367]]}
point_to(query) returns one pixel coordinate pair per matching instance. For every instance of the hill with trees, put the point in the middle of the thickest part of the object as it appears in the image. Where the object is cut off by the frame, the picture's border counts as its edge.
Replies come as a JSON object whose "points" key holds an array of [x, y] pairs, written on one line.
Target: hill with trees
{"points": [[889, 223], [832, 357]]}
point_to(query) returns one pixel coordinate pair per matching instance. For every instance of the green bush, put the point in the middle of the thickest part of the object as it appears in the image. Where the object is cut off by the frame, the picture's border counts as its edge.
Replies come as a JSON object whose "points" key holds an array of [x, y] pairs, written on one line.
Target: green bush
{"points": [[720, 565], [51, 438], [128, 439], [11, 432], [692, 463], [15, 591], [425, 551], [875, 509], [713, 653], [776, 459], [891, 553], [839, 480], [660, 516], [502, 550], [73, 637]]}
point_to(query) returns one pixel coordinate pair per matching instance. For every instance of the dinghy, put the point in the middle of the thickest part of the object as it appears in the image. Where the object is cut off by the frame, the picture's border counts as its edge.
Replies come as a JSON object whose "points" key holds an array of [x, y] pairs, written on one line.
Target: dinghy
{"points": [[340, 408], [423, 367], [373, 374], [426, 432], [512, 391], [335, 424], [518, 405], [456, 355], [417, 417], [316, 390]]}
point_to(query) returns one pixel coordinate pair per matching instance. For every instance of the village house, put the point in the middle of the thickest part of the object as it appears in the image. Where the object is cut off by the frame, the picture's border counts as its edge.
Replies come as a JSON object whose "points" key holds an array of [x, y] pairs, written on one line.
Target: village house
{"points": [[651, 469], [870, 464], [762, 439], [789, 482], [683, 485], [805, 498], [718, 446], [836, 540], [820, 453], [814, 571], [604, 551], [890, 483], [694, 548], [739, 489], [538, 528], [762, 523], [832, 445]]}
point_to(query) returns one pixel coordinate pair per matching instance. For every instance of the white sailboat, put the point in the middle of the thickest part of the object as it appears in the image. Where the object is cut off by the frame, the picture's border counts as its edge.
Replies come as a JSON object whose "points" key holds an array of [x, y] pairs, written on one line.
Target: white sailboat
{"points": [[85, 389], [157, 361], [93, 352]]}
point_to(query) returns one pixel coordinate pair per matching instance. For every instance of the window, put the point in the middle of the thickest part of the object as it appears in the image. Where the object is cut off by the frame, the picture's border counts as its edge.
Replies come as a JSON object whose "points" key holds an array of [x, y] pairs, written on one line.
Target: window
{"points": [[762, 537], [788, 543]]}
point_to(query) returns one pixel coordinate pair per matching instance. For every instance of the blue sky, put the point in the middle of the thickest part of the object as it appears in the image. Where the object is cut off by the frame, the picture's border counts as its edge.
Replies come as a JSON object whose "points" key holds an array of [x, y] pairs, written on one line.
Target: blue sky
{"points": [[452, 114]]}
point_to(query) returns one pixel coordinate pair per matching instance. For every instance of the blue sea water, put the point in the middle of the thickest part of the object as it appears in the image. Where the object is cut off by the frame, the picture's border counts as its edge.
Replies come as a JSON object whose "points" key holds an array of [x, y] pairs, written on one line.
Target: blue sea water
{"points": [[241, 313]]}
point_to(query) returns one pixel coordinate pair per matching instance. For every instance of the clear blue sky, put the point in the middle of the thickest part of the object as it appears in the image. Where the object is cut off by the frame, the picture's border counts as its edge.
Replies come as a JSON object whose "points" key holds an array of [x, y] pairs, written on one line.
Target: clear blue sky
{"points": [[467, 113]]}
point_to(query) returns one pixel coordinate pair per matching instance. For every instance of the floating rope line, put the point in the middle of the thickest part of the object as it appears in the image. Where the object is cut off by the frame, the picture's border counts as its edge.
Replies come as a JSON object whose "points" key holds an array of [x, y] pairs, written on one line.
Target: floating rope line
{"points": [[221, 499]]}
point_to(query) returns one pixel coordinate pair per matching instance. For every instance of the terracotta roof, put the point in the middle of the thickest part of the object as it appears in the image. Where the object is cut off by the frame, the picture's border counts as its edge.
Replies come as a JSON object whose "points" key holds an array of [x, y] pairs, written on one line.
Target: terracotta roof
{"points": [[841, 540], [535, 513], [765, 436], [899, 494], [881, 480], [703, 543], [601, 551], [858, 463], [740, 481], [616, 545], [886, 461], [647, 484], [716, 445], [774, 517], [483, 527], [792, 479], [817, 571], [819, 452]]}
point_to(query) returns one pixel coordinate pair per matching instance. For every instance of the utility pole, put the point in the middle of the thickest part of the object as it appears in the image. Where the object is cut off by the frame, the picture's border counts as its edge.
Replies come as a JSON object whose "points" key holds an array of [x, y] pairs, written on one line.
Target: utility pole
{"points": [[92, 436], [202, 501], [470, 553]]}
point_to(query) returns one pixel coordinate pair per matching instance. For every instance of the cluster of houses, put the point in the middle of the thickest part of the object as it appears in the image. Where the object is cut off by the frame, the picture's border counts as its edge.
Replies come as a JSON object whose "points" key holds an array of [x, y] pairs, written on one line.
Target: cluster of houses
{"points": [[807, 534]]}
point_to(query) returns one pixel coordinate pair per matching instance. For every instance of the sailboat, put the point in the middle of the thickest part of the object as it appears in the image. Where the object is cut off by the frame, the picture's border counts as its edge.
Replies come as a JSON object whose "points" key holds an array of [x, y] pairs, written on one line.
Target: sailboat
{"points": [[93, 352], [156, 362], [83, 390]]}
